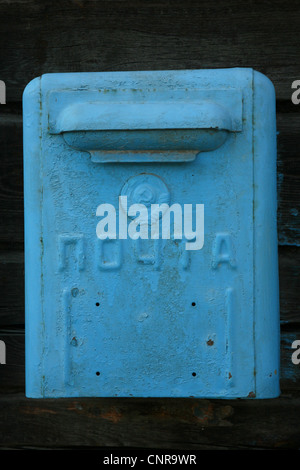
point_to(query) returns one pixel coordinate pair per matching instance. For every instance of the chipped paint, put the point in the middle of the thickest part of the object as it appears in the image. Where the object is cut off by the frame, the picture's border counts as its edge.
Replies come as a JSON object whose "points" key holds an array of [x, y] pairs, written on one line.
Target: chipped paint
{"points": [[166, 324]]}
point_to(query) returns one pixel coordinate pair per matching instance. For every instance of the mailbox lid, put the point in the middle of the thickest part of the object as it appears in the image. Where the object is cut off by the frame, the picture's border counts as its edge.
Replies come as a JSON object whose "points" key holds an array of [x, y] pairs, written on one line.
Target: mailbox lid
{"points": [[144, 317]]}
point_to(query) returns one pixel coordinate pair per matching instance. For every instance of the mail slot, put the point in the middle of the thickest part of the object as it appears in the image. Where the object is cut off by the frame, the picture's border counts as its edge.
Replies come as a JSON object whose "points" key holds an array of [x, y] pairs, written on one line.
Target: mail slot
{"points": [[150, 235]]}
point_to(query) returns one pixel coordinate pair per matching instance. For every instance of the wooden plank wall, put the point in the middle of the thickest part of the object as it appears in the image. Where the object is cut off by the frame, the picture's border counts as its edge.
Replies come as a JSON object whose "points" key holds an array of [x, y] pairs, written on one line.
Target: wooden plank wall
{"points": [[72, 36]]}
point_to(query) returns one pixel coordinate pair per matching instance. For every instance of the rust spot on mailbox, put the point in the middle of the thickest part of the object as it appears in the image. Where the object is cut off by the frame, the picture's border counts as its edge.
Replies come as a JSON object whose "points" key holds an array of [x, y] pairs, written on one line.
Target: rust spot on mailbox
{"points": [[176, 313]]}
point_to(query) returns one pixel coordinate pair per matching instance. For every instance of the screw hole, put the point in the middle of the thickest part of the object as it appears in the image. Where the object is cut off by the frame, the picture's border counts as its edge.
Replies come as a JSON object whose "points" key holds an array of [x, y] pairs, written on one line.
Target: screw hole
{"points": [[193, 304], [97, 304], [74, 292], [194, 374], [98, 373]]}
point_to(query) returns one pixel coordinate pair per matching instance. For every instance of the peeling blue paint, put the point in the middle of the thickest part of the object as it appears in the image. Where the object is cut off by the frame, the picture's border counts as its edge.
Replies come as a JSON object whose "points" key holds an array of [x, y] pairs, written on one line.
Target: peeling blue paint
{"points": [[147, 318]]}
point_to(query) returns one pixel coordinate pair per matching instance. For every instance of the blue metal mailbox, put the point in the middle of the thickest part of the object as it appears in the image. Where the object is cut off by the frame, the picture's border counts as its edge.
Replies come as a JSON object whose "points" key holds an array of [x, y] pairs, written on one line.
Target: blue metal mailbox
{"points": [[118, 303]]}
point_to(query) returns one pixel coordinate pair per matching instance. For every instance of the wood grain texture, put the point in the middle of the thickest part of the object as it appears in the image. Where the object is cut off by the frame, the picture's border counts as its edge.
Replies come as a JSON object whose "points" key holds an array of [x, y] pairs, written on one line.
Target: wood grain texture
{"points": [[288, 177], [12, 288], [150, 423], [289, 285], [75, 36], [39, 37]]}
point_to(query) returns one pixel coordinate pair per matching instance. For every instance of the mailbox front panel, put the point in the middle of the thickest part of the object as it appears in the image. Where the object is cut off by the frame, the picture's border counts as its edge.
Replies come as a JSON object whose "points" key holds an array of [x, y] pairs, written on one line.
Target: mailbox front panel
{"points": [[147, 317]]}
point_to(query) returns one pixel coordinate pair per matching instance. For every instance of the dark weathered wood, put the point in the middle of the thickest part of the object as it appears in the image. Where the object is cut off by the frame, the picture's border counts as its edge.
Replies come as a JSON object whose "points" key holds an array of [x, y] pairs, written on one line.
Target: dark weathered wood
{"points": [[53, 36], [11, 288], [289, 284], [73, 36], [288, 177], [147, 423], [150, 423], [290, 372], [11, 180]]}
